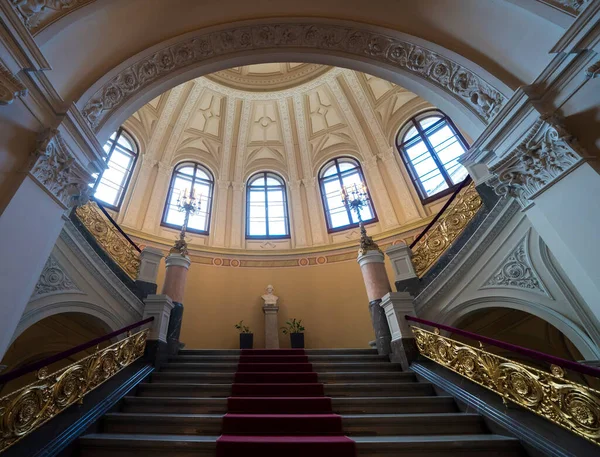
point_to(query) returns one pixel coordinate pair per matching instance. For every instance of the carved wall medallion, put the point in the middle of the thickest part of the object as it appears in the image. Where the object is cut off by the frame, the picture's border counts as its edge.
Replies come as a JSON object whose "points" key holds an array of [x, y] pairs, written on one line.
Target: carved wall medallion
{"points": [[547, 153], [54, 167], [10, 87], [37, 14], [54, 280], [472, 91], [517, 272]]}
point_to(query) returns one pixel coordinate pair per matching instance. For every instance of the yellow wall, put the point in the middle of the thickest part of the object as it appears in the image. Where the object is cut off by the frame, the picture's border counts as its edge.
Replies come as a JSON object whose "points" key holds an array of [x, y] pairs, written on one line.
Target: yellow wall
{"points": [[330, 299]]}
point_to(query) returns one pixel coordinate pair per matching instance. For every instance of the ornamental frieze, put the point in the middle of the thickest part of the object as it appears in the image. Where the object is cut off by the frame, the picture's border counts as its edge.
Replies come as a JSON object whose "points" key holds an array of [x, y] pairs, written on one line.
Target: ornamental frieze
{"points": [[546, 154], [480, 97]]}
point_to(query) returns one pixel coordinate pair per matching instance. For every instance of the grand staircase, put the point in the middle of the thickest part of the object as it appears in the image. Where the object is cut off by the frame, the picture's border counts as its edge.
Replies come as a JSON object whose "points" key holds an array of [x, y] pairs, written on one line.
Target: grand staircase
{"points": [[180, 411]]}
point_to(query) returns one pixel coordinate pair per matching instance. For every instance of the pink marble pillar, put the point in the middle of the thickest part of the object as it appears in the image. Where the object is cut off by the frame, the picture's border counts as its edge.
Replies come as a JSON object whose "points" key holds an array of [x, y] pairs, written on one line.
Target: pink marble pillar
{"points": [[175, 278], [372, 265]]}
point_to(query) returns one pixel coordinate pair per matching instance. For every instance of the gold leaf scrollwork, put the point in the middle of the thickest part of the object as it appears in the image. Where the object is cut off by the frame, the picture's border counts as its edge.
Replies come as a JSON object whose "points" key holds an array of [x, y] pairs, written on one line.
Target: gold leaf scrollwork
{"points": [[24, 410], [447, 228], [109, 238], [571, 405]]}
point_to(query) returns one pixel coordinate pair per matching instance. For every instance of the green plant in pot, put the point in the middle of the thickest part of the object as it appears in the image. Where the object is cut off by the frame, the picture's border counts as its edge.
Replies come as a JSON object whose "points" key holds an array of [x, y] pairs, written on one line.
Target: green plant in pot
{"points": [[296, 331], [246, 336]]}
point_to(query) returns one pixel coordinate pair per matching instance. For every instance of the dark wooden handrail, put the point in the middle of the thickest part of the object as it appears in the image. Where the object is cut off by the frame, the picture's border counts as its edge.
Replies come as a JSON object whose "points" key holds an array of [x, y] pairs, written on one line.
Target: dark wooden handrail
{"points": [[569, 364], [113, 222], [62, 355], [461, 186]]}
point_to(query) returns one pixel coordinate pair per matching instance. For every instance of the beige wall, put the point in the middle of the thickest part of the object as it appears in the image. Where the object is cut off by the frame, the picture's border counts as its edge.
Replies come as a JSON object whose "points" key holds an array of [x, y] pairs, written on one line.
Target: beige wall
{"points": [[330, 299]]}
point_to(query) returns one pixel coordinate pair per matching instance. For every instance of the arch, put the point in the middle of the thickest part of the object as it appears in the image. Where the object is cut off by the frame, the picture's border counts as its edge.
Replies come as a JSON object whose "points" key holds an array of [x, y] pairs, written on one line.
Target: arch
{"points": [[39, 310], [446, 79], [567, 327]]}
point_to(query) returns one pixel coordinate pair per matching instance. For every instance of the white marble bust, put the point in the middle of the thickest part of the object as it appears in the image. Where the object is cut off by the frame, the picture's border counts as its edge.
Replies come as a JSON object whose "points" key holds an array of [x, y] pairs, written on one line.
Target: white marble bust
{"points": [[269, 298]]}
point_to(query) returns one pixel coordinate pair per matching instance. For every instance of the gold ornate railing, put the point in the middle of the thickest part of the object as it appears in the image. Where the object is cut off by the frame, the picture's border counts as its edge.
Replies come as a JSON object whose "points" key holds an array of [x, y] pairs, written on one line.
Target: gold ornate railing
{"points": [[28, 408], [110, 238], [566, 403], [446, 228]]}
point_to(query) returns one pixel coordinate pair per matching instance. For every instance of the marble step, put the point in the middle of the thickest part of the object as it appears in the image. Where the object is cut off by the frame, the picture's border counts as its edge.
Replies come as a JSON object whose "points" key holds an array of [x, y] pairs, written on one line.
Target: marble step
{"points": [[134, 445], [347, 405], [318, 367], [397, 389], [331, 358], [223, 378], [237, 352], [359, 425]]}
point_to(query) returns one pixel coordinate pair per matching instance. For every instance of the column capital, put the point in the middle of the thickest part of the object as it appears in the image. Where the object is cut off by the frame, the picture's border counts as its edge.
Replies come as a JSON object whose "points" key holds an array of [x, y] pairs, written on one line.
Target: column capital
{"points": [[370, 257], [269, 309], [238, 186], [223, 185], [178, 260], [546, 154]]}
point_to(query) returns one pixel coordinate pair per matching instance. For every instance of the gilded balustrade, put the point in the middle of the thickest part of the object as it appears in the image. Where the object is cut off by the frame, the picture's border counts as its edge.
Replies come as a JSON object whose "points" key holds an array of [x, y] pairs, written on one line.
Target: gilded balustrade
{"points": [[110, 238], [566, 403], [28, 408], [446, 229]]}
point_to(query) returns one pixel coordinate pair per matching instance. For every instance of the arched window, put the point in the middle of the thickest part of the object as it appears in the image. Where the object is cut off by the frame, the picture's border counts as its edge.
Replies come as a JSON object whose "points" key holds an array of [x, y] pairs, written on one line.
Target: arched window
{"points": [[266, 207], [121, 156], [430, 146], [189, 178], [336, 174]]}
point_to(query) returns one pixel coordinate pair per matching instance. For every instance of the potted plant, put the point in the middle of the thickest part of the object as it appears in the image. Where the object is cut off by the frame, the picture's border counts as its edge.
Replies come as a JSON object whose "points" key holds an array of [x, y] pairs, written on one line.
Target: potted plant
{"points": [[246, 336], [296, 331]]}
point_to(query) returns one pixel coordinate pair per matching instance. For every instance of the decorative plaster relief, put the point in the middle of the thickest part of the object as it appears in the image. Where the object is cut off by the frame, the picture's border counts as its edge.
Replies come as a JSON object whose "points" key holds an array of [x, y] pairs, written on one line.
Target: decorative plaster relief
{"points": [[54, 167], [53, 280], [471, 90], [547, 154], [10, 87], [517, 272], [37, 14], [573, 7]]}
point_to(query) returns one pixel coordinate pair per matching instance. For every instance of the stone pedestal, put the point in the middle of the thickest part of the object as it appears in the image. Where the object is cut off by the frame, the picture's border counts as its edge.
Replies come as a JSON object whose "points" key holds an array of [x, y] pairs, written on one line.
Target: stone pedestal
{"points": [[159, 307], [405, 278], [149, 262], [271, 327], [396, 305], [372, 265]]}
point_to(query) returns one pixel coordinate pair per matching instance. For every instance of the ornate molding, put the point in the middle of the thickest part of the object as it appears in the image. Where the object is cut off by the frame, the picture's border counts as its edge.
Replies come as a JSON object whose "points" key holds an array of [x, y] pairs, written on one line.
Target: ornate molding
{"points": [[54, 279], [479, 96], [517, 272], [547, 154], [54, 167], [10, 87], [593, 70], [573, 7], [37, 14]]}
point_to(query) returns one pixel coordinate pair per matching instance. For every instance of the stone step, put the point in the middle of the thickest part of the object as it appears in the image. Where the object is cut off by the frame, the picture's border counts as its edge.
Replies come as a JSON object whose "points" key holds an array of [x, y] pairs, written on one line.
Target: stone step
{"points": [[318, 367], [133, 445], [225, 378], [230, 358], [389, 389], [237, 352], [355, 425], [348, 405]]}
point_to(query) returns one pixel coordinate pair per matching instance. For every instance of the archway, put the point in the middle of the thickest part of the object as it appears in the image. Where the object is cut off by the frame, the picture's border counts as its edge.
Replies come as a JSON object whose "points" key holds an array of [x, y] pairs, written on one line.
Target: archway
{"points": [[49, 336]]}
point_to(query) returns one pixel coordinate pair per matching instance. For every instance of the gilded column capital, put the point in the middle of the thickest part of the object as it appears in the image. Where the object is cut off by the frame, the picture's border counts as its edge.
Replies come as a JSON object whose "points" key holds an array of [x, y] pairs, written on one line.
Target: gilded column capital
{"points": [[53, 166], [547, 153], [10, 87]]}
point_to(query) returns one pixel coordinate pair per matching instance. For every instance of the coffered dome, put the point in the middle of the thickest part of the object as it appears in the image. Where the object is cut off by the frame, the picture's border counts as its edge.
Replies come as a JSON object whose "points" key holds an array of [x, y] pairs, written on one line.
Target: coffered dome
{"points": [[284, 118]]}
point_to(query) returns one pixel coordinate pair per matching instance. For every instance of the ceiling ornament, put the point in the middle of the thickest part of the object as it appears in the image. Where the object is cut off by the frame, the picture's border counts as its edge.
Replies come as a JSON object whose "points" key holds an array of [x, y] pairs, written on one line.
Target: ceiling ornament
{"points": [[54, 280], [472, 91], [38, 14], [547, 154]]}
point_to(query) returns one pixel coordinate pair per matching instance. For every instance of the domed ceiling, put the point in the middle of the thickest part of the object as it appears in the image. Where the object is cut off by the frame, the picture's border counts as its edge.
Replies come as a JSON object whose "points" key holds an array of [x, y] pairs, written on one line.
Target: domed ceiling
{"points": [[289, 118]]}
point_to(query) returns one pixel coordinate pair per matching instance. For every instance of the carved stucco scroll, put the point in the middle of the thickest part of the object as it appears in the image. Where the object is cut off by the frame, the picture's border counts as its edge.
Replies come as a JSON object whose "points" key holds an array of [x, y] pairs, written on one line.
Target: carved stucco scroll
{"points": [[53, 280], [470, 89], [547, 153], [53, 166]]}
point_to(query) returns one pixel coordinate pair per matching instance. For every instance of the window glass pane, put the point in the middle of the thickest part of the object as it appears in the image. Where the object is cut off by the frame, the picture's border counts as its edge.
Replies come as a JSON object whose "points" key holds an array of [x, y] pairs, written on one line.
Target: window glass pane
{"points": [[339, 218], [434, 184], [277, 227], [411, 133], [186, 170], [439, 136], [429, 121], [346, 165], [121, 159], [353, 179], [174, 216], [107, 193], [107, 147], [415, 151], [257, 227], [424, 167], [198, 221], [257, 196], [330, 171], [113, 136], [200, 173], [258, 181], [272, 181], [125, 142]]}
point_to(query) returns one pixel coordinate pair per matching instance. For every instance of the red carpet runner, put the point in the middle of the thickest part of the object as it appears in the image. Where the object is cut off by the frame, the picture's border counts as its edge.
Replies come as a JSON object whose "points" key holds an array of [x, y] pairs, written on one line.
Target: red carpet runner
{"points": [[278, 408]]}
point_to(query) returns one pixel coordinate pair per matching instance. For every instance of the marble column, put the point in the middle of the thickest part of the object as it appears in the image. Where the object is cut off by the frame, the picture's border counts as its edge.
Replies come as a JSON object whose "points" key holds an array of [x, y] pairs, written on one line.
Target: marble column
{"points": [[372, 265], [174, 287], [271, 327]]}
